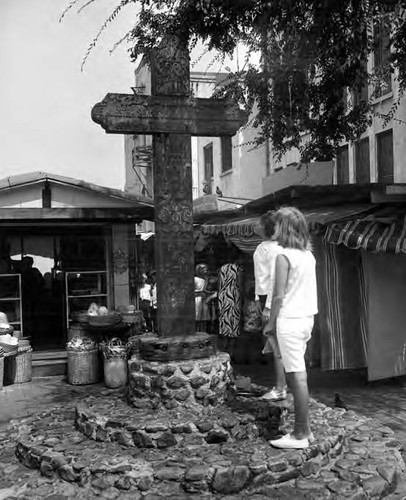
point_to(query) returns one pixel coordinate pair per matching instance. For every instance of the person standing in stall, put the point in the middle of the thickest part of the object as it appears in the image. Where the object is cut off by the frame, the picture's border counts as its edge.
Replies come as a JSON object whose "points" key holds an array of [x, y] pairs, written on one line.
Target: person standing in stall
{"points": [[264, 272], [202, 298], [291, 312], [145, 301], [154, 303]]}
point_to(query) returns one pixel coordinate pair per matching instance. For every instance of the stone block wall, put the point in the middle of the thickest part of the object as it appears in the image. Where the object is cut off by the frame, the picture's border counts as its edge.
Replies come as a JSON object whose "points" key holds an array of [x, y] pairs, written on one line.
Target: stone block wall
{"points": [[205, 381]]}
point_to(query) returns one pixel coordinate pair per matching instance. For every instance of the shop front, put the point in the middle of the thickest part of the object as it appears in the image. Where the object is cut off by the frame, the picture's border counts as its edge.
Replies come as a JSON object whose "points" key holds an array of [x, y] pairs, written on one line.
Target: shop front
{"points": [[49, 273], [64, 244], [359, 242]]}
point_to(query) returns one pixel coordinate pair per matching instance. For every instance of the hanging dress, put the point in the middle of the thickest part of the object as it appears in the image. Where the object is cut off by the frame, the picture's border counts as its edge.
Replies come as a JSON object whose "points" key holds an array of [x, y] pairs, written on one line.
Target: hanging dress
{"points": [[230, 300]]}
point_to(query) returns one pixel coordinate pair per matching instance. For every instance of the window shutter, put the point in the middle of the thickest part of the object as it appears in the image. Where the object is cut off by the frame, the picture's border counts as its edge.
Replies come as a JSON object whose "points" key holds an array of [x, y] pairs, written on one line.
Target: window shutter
{"points": [[384, 142], [362, 173]]}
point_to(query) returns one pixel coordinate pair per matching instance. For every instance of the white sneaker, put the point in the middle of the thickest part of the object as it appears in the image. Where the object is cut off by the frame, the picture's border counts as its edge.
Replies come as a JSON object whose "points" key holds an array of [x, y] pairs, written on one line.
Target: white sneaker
{"points": [[289, 442], [275, 394]]}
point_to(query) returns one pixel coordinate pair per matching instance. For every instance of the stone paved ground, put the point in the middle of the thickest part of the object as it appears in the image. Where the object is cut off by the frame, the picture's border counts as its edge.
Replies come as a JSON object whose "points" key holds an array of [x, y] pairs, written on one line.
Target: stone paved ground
{"points": [[76, 466], [384, 400]]}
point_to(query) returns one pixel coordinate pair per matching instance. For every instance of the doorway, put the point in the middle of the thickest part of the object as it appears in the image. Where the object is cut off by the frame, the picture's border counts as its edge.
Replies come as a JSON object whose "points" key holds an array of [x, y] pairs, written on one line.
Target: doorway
{"points": [[42, 294]]}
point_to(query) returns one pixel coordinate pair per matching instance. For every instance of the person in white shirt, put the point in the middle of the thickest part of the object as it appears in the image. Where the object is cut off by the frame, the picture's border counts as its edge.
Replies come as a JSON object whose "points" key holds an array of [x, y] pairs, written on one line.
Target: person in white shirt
{"points": [[292, 310], [145, 301], [264, 271], [154, 302]]}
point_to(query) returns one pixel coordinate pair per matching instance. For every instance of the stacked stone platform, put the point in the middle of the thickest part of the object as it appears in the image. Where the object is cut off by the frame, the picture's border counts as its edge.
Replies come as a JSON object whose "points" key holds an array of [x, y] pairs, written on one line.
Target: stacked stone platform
{"points": [[115, 421], [178, 383], [210, 452]]}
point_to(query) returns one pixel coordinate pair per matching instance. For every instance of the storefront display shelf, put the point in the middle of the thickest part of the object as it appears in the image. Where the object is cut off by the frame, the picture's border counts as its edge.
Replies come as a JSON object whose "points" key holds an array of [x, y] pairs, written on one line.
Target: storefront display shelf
{"points": [[83, 288], [10, 299]]}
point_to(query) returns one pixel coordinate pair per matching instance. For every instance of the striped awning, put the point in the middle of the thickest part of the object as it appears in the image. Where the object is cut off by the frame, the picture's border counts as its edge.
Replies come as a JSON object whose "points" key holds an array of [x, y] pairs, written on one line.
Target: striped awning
{"points": [[245, 232], [370, 233]]}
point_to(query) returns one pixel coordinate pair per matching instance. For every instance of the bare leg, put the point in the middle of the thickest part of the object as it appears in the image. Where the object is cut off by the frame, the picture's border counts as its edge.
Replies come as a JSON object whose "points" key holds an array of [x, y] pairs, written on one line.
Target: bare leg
{"points": [[297, 382], [280, 375]]}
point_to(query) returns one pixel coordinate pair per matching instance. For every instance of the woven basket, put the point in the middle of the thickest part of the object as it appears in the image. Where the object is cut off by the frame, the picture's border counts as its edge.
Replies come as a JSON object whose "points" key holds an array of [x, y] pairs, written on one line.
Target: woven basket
{"points": [[114, 348], [106, 320], [8, 348], [135, 319], [23, 369], [83, 366], [80, 317]]}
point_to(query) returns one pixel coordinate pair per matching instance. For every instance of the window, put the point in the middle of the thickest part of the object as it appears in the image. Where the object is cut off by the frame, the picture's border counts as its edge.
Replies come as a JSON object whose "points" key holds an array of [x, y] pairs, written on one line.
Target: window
{"points": [[361, 93], [384, 142], [208, 166], [343, 176], [362, 174], [381, 56], [226, 154]]}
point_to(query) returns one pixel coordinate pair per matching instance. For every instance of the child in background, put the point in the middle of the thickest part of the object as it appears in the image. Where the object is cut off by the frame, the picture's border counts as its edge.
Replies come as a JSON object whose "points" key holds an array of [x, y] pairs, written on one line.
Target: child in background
{"points": [[154, 302], [291, 312], [202, 309], [145, 301]]}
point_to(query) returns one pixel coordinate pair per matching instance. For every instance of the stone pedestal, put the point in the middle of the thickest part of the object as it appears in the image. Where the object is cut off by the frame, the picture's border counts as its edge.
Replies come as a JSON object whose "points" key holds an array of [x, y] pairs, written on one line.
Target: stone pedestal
{"points": [[189, 347], [204, 381]]}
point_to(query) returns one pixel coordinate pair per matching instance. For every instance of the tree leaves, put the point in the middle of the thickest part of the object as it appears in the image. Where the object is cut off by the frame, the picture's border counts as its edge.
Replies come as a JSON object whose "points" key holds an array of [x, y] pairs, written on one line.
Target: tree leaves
{"points": [[314, 56]]}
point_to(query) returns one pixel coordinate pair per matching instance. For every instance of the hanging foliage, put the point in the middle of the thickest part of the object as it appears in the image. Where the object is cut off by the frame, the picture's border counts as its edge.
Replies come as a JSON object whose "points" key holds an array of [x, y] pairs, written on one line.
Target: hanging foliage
{"points": [[307, 91]]}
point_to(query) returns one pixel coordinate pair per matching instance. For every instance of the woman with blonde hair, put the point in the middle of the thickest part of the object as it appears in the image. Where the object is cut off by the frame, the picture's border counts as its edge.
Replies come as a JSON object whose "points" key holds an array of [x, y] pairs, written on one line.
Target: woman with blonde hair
{"points": [[291, 313]]}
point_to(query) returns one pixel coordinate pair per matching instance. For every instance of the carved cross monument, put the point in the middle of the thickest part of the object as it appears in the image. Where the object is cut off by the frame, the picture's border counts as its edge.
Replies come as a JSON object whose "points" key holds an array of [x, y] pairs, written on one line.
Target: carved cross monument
{"points": [[172, 116]]}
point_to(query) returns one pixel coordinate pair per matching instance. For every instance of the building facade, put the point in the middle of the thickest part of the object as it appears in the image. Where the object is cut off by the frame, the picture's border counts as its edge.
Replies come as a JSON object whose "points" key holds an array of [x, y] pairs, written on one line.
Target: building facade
{"points": [[229, 172]]}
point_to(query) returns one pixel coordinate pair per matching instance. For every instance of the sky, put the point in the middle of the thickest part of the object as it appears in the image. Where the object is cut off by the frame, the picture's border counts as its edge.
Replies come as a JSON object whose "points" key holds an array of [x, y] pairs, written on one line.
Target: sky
{"points": [[45, 98]]}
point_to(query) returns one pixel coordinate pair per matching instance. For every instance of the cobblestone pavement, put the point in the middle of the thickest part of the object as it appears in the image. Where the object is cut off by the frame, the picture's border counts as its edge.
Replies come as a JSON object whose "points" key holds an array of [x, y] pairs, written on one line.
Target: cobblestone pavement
{"points": [[384, 400], [88, 443]]}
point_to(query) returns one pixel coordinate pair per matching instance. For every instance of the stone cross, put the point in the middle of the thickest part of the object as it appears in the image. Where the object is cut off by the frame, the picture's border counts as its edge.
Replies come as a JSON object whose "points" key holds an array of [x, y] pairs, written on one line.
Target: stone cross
{"points": [[172, 116]]}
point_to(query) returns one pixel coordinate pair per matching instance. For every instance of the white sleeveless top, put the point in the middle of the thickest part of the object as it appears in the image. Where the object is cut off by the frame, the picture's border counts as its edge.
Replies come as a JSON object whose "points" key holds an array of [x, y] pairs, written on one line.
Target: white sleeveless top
{"points": [[264, 267], [301, 289]]}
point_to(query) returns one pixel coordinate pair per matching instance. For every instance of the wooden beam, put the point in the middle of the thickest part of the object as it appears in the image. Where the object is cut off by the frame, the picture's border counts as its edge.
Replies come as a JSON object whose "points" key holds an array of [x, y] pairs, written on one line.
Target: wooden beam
{"points": [[133, 214], [134, 114]]}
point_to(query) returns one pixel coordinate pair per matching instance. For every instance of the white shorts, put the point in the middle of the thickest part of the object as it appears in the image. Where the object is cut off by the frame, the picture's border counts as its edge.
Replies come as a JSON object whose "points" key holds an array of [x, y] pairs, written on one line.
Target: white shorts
{"points": [[293, 335]]}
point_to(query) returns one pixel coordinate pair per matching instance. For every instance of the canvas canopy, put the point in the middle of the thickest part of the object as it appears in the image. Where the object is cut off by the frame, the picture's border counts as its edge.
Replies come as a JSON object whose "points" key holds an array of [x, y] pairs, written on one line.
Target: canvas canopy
{"points": [[373, 233], [244, 231]]}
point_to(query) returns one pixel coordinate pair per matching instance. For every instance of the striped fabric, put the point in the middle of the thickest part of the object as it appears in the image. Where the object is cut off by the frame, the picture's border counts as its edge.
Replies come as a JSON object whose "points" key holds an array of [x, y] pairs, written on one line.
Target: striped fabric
{"points": [[384, 235], [245, 232], [342, 307], [229, 300]]}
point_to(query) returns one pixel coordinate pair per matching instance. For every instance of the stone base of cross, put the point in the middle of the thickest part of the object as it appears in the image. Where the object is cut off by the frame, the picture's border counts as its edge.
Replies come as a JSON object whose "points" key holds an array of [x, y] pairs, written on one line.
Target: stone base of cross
{"points": [[172, 116]]}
